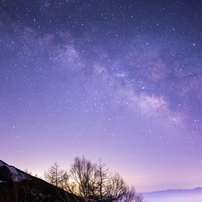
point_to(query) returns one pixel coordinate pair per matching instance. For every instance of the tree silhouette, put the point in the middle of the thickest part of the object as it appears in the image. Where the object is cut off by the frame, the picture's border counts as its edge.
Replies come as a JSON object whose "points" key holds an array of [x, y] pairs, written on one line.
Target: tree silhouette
{"points": [[54, 175], [92, 182]]}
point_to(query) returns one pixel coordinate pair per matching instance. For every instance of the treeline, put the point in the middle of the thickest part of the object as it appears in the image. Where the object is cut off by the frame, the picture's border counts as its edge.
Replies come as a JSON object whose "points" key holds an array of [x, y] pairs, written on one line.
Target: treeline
{"points": [[91, 182]]}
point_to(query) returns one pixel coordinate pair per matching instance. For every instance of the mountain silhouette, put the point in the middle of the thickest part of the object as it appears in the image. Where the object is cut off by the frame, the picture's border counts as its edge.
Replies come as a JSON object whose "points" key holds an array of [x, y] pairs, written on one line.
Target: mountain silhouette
{"points": [[19, 186]]}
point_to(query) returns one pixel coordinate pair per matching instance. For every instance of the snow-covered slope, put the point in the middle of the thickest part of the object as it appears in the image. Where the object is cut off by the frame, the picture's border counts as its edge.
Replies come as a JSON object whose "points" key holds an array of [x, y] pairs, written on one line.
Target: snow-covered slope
{"points": [[15, 174]]}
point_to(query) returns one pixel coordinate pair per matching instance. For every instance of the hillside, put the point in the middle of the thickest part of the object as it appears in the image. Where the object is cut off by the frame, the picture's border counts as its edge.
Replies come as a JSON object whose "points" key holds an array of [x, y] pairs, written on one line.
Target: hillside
{"points": [[18, 186]]}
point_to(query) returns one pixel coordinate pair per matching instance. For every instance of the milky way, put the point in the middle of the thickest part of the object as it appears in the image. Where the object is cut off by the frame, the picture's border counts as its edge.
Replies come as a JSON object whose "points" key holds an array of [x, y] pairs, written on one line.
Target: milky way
{"points": [[119, 80]]}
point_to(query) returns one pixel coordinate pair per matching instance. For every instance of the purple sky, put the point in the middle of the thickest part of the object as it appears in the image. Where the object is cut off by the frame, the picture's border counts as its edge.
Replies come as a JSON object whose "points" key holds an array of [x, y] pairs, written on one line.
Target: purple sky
{"points": [[117, 80]]}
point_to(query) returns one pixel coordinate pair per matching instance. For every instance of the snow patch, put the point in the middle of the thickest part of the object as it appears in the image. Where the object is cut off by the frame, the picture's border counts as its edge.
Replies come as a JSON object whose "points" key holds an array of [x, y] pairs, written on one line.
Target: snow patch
{"points": [[1, 163], [13, 170], [16, 176]]}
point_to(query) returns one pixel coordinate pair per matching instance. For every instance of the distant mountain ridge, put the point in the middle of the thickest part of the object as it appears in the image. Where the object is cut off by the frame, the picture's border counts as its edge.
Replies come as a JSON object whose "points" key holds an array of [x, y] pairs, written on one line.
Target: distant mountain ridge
{"points": [[17, 185], [174, 195], [197, 189]]}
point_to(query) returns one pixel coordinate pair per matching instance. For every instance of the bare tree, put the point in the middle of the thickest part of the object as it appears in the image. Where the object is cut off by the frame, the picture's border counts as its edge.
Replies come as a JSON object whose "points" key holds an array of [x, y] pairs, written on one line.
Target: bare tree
{"points": [[116, 187], [103, 178], [92, 182], [84, 176], [131, 195], [139, 198], [54, 175]]}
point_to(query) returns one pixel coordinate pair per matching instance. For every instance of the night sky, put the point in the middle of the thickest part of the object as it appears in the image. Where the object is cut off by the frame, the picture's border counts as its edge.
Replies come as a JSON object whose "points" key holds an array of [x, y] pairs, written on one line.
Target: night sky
{"points": [[117, 80]]}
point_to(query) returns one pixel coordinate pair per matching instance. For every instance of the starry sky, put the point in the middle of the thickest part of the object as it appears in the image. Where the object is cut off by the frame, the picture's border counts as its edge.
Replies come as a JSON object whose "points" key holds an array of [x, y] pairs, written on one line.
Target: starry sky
{"points": [[112, 79]]}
